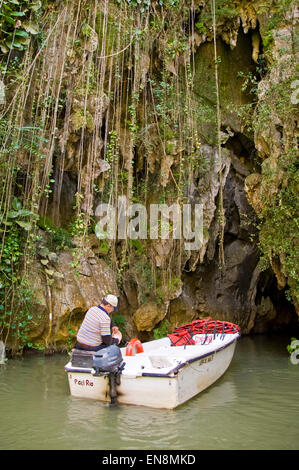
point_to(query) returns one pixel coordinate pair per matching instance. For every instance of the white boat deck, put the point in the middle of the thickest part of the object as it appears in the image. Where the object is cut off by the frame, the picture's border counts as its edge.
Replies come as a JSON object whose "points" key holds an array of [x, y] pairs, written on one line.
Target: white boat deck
{"points": [[160, 358]]}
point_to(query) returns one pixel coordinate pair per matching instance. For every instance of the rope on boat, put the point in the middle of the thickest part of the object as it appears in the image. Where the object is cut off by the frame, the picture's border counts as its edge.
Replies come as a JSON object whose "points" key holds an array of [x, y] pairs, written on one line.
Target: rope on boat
{"points": [[183, 335]]}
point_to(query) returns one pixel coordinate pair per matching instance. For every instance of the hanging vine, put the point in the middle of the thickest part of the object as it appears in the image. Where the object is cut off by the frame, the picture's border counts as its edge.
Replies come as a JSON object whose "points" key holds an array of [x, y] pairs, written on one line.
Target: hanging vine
{"points": [[220, 205]]}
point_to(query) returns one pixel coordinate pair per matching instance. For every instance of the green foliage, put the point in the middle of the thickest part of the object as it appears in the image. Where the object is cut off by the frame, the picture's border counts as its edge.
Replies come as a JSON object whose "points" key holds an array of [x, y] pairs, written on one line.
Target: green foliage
{"points": [[138, 246], [162, 331], [279, 221], [201, 27], [276, 12], [141, 270], [226, 8], [59, 238], [290, 347], [16, 294], [120, 321], [17, 215], [18, 220], [17, 23], [146, 4], [71, 337], [176, 46], [223, 8], [268, 39]]}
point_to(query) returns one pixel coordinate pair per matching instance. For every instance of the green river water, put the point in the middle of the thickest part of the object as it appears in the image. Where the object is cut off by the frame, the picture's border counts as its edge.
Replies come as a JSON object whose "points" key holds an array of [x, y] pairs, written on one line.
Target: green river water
{"points": [[254, 405]]}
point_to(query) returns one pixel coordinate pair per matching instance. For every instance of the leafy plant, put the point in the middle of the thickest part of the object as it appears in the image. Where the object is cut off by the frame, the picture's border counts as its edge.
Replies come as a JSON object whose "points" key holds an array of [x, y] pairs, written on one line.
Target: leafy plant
{"points": [[17, 223], [16, 294], [293, 346], [278, 226], [16, 23], [71, 336], [201, 28], [162, 331], [59, 238], [120, 321], [145, 4]]}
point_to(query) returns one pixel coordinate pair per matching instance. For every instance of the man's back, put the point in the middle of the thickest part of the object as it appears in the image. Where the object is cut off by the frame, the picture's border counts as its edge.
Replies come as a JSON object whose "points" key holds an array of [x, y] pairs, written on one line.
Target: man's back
{"points": [[95, 325]]}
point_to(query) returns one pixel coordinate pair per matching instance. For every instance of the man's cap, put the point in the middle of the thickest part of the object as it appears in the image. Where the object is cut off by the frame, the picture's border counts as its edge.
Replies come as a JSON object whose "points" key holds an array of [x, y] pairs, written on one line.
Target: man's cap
{"points": [[112, 300]]}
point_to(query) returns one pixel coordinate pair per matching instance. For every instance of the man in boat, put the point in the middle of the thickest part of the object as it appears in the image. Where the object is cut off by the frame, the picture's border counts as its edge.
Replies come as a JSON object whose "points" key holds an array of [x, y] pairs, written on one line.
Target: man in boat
{"points": [[95, 330]]}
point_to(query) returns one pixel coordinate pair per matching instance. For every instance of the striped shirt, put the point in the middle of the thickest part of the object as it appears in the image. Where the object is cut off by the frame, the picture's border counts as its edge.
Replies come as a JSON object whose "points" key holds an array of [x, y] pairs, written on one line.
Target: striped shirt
{"points": [[95, 325]]}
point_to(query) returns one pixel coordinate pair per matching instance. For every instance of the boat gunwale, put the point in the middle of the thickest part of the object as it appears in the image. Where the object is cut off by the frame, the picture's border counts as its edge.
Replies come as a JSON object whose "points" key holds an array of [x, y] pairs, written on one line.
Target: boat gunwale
{"points": [[84, 370], [169, 374]]}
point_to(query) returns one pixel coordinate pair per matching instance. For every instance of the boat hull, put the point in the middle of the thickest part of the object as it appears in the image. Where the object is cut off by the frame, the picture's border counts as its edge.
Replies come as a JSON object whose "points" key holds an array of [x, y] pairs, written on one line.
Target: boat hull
{"points": [[155, 390]]}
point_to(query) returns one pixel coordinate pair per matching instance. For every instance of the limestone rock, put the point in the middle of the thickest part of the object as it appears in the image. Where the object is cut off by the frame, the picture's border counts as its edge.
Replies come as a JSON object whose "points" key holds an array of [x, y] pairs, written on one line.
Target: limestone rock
{"points": [[181, 311], [69, 298], [209, 188], [147, 316], [252, 188], [167, 162]]}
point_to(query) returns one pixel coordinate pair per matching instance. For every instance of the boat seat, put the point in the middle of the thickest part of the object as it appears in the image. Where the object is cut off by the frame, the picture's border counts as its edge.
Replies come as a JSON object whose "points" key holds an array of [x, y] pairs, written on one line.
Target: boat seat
{"points": [[81, 358]]}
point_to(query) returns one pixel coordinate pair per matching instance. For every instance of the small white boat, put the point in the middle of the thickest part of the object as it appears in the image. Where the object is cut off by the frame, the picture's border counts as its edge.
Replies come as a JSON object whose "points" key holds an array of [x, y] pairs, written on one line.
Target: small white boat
{"points": [[160, 374]]}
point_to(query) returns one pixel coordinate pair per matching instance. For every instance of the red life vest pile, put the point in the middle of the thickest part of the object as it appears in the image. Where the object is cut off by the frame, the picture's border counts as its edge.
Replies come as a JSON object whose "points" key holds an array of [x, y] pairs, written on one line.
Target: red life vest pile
{"points": [[183, 334]]}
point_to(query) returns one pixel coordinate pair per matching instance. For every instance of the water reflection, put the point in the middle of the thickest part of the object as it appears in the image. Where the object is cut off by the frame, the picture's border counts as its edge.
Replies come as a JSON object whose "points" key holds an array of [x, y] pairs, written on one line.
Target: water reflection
{"points": [[123, 426], [157, 428], [218, 395]]}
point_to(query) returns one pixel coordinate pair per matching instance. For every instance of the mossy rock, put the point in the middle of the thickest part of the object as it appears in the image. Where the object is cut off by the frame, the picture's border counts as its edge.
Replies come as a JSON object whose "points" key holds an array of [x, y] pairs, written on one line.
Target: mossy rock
{"points": [[81, 121], [231, 96]]}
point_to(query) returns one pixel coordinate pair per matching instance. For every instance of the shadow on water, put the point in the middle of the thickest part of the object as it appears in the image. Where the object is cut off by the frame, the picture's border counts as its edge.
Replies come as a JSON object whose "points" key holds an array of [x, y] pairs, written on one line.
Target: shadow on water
{"points": [[253, 406]]}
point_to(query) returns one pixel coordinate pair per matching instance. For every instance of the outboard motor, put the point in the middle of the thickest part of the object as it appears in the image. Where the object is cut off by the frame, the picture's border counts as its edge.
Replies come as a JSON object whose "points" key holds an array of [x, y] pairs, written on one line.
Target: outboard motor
{"points": [[109, 360]]}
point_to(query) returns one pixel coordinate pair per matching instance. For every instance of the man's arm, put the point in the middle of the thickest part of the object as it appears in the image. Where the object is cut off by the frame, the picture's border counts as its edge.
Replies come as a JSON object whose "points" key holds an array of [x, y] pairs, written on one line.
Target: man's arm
{"points": [[108, 340]]}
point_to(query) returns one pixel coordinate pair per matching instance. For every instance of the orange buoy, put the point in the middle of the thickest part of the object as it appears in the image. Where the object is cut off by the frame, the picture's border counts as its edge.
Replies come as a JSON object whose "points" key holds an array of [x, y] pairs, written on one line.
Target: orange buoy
{"points": [[134, 347]]}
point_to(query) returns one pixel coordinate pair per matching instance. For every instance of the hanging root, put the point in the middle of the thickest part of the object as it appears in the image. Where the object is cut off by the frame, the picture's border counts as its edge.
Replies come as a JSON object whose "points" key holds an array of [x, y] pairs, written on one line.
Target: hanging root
{"points": [[220, 207]]}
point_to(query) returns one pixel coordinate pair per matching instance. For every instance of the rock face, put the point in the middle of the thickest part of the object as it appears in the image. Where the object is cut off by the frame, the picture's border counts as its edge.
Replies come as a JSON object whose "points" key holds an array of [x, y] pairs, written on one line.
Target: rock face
{"points": [[138, 119], [239, 291], [230, 292], [147, 316], [234, 61], [273, 191], [69, 297]]}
